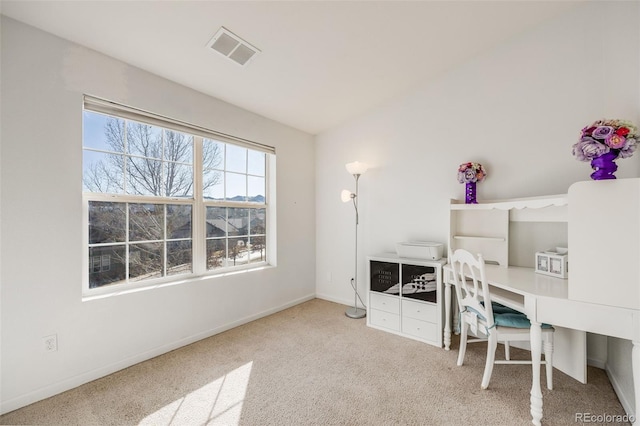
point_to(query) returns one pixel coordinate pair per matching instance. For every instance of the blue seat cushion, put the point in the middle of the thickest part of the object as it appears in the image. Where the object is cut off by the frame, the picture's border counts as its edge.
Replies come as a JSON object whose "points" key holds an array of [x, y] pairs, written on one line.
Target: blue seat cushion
{"points": [[506, 317], [501, 309], [514, 320], [497, 310]]}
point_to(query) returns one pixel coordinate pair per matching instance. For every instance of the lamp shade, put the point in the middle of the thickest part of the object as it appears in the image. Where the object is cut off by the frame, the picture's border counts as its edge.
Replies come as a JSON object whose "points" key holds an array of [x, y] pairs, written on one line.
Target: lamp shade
{"points": [[345, 195], [357, 168]]}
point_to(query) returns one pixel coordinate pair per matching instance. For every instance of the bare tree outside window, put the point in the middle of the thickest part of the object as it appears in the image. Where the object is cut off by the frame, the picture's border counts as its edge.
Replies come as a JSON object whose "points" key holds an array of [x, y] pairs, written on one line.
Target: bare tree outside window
{"points": [[151, 160]]}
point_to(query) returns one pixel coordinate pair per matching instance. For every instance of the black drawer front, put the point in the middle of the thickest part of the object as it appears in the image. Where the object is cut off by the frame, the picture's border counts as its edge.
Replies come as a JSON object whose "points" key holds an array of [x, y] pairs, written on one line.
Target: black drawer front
{"points": [[384, 276]]}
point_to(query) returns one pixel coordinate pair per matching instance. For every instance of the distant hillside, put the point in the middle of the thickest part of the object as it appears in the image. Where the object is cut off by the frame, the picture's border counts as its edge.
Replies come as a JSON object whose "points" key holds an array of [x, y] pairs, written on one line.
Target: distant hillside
{"points": [[240, 198]]}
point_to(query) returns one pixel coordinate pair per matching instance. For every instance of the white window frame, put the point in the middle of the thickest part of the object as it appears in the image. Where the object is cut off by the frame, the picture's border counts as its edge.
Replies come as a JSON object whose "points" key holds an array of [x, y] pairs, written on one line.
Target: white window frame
{"points": [[198, 203]]}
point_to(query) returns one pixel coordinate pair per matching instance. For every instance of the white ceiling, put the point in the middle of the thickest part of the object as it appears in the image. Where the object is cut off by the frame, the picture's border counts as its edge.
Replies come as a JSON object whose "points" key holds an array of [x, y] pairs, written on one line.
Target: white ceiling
{"points": [[322, 62]]}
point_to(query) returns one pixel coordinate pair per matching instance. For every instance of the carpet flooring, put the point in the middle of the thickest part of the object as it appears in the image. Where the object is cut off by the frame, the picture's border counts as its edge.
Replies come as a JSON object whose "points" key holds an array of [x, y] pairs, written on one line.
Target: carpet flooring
{"points": [[311, 365]]}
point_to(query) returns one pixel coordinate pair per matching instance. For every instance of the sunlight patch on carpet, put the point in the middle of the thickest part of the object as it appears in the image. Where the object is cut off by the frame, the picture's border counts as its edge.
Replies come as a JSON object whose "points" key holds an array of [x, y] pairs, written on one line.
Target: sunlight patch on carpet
{"points": [[216, 403]]}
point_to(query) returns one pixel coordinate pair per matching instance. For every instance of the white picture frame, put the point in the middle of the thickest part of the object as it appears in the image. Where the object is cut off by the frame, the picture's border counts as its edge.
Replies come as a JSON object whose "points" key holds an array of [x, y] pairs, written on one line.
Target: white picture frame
{"points": [[551, 263]]}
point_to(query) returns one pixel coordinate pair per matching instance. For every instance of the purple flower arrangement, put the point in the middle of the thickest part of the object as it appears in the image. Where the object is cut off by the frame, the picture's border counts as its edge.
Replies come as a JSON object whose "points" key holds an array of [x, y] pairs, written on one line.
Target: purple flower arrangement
{"points": [[618, 137], [471, 172]]}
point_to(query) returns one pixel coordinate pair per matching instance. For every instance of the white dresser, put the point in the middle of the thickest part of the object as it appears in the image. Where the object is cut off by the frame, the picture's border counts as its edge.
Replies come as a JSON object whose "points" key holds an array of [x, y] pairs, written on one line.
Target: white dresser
{"points": [[405, 297]]}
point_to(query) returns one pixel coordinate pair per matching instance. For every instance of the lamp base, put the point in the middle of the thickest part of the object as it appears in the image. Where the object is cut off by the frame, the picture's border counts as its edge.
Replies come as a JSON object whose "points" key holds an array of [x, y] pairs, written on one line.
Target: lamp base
{"points": [[356, 313]]}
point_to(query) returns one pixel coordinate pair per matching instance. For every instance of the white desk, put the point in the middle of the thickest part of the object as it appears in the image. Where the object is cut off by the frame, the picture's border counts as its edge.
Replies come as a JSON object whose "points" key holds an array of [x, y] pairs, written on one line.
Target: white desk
{"points": [[545, 300]]}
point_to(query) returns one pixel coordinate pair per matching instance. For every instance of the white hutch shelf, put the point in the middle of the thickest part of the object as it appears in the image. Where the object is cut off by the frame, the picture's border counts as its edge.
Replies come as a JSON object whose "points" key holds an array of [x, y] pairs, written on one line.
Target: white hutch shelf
{"points": [[485, 227]]}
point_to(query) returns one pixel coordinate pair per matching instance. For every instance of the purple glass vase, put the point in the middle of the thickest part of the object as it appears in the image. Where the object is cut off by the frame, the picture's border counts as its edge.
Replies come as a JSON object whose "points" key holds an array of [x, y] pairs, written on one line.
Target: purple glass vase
{"points": [[604, 166], [470, 193]]}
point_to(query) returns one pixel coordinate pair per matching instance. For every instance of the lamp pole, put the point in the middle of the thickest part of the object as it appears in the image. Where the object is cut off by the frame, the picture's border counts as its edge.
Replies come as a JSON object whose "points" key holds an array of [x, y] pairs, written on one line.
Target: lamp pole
{"points": [[356, 312]]}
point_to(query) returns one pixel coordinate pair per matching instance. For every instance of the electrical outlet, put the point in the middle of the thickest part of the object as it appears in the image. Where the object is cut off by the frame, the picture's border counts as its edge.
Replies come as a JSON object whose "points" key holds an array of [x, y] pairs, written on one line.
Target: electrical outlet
{"points": [[50, 343]]}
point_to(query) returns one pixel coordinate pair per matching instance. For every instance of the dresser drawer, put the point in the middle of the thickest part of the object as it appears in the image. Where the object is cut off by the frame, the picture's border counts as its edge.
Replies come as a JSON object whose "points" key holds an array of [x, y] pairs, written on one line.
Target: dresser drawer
{"points": [[420, 311], [385, 303], [421, 329], [384, 319]]}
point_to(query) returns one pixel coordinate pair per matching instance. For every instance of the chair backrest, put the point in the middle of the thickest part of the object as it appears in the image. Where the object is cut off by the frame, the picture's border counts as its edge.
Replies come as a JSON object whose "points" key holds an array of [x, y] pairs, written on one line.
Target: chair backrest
{"points": [[470, 284]]}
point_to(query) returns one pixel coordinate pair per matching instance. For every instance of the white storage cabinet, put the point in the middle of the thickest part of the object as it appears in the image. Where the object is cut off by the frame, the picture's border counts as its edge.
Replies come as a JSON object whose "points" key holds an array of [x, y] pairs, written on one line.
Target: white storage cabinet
{"points": [[405, 297]]}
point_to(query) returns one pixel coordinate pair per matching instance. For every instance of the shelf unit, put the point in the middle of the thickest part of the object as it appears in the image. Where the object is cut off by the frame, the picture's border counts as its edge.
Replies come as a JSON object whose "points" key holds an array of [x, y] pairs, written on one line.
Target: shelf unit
{"points": [[395, 306]]}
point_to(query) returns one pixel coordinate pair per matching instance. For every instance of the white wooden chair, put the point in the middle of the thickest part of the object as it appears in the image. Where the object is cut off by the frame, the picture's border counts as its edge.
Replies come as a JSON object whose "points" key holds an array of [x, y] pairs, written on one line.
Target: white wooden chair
{"points": [[490, 322]]}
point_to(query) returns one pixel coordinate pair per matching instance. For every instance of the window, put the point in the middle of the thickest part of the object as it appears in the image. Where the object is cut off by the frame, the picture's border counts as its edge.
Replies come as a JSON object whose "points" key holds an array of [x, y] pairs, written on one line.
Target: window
{"points": [[165, 199]]}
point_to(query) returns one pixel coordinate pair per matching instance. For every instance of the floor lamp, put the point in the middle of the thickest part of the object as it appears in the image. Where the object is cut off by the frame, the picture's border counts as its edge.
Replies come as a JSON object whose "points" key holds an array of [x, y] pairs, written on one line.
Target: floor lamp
{"points": [[356, 169]]}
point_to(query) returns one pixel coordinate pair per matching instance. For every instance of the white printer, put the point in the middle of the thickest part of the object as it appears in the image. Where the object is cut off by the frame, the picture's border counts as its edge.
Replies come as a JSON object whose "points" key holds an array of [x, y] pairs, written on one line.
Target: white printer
{"points": [[420, 250]]}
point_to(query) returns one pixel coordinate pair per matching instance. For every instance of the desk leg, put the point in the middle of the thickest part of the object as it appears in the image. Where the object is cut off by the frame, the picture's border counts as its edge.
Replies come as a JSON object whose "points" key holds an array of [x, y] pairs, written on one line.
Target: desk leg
{"points": [[536, 391], [635, 367], [447, 315]]}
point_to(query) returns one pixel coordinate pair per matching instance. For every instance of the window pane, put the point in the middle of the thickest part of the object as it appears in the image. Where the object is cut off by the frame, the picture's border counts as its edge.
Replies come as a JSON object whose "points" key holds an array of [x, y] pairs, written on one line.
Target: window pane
{"points": [[144, 176], [144, 140], [258, 249], [212, 155], [216, 253], [236, 159], [213, 185], [236, 186], [216, 222], [178, 147], [102, 132], [102, 172], [238, 253], [178, 180], [238, 222], [145, 261], [257, 221], [179, 257], [256, 189], [256, 163], [107, 222], [99, 259], [146, 222], [178, 221]]}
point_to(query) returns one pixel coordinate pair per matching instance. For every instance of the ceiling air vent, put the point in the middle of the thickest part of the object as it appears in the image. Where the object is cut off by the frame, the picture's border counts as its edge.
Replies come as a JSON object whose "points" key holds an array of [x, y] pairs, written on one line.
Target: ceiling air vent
{"points": [[233, 47]]}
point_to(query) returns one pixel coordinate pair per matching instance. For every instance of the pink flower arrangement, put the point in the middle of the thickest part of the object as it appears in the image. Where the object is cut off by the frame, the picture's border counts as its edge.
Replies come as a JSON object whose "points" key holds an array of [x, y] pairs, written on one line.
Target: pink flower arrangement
{"points": [[616, 136], [471, 172]]}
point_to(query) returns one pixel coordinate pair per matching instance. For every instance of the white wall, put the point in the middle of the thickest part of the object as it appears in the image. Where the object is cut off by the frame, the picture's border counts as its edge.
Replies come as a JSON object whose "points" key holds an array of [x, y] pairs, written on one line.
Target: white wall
{"points": [[517, 110], [43, 79]]}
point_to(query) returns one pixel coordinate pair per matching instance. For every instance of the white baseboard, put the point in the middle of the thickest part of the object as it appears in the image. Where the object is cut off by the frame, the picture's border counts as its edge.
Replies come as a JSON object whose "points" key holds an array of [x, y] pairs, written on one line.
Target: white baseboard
{"points": [[73, 382], [625, 400], [598, 363], [335, 300]]}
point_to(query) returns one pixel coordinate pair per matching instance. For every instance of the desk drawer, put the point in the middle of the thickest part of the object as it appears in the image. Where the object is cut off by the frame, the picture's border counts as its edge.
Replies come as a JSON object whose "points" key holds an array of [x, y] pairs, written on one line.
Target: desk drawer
{"points": [[384, 319], [420, 311], [421, 329], [385, 303]]}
